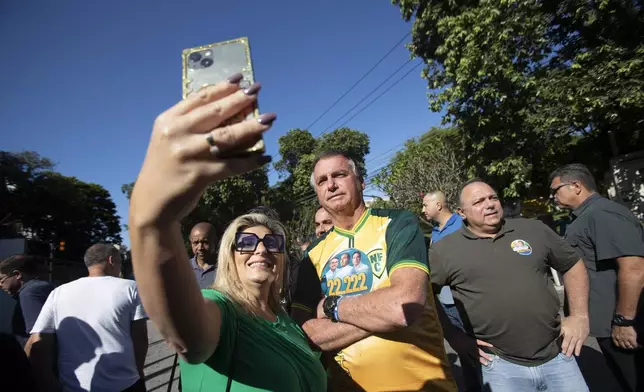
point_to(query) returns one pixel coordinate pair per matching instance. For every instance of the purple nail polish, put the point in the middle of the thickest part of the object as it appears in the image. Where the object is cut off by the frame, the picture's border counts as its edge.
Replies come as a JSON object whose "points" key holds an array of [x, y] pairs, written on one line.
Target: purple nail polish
{"points": [[236, 78], [252, 90], [266, 118]]}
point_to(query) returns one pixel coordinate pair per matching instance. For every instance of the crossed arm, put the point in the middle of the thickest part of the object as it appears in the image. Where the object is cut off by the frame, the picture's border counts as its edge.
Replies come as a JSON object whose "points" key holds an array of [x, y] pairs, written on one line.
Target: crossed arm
{"points": [[383, 310]]}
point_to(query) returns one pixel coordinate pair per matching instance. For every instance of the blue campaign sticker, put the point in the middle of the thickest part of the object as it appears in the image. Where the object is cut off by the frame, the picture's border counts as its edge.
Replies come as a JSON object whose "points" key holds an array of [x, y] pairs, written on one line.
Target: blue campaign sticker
{"points": [[521, 247], [347, 273]]}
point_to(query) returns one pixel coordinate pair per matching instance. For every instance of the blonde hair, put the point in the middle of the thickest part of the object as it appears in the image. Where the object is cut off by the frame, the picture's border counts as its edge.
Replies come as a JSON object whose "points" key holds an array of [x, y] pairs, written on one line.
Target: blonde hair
{"points": [[227, 280]]}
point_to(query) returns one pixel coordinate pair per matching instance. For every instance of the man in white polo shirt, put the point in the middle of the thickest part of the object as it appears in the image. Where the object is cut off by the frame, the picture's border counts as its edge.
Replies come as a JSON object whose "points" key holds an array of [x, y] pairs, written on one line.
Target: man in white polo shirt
{"points": [[94, 329]]}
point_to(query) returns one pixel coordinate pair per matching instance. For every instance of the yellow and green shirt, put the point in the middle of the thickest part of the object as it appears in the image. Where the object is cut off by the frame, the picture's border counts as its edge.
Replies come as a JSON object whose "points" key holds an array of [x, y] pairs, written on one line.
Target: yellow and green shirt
{"points": [[356, 262]]}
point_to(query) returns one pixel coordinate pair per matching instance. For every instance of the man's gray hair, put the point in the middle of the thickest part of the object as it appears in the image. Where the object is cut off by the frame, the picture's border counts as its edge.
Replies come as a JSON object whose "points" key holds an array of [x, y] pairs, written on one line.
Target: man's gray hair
{"points": [[575, 172], [99, 253], [330, 154]]}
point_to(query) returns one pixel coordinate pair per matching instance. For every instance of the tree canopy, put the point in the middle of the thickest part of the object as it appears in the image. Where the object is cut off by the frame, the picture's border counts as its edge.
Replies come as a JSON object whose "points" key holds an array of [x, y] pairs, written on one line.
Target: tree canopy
{"points": [[431, 162], [39, 202], [224, 200], [522, 79], [293, 197]]}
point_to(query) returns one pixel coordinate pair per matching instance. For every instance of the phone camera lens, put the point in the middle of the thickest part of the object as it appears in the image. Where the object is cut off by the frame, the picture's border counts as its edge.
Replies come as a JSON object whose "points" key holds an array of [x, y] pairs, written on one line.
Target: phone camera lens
{"points": [[206, 63], [195, 57]]}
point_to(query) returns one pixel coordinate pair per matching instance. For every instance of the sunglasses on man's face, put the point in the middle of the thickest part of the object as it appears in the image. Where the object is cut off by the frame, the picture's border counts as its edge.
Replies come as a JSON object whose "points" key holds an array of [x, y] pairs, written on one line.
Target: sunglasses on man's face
{"points": [[248, 242]]}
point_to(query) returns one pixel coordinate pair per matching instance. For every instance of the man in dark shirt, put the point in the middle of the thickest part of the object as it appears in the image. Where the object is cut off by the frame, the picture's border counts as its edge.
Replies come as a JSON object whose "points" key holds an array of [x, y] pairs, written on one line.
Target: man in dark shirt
{"points": [[611, 242], [19, 278], [498, 273]]}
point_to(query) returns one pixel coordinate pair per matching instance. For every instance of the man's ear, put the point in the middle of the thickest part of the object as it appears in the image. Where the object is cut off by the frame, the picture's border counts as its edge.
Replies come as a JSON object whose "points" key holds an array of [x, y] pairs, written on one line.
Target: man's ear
{"points": [[17, 274], [577, 186], [362, 185], [459, 211]]}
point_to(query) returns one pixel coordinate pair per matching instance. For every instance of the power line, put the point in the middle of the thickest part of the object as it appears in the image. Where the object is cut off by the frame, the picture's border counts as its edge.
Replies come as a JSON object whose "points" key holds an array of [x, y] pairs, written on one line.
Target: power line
{"points": [[380, 95], [309, 195], [272, 169], [365, 97], [373, 100], [358, 82]]}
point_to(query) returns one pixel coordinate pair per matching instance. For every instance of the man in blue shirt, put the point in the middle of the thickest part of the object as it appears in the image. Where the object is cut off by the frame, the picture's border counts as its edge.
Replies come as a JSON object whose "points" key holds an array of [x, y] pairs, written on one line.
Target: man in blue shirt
{"points": [[19, 278], [204, 248], [436, 209]]}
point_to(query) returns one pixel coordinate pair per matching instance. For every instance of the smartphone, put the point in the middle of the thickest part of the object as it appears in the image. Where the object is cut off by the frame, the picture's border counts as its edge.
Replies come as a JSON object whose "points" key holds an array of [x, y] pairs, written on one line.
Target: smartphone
{"points": [[210, 64]]}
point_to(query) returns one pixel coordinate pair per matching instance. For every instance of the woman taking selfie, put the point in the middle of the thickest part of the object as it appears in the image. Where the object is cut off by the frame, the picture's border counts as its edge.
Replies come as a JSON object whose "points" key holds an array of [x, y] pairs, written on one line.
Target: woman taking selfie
{"points": [[235, 337]]}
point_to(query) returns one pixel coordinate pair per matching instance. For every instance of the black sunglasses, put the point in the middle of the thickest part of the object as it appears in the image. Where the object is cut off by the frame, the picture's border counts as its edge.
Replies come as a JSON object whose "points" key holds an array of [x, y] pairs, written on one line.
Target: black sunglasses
{"points": [[248, 242]]}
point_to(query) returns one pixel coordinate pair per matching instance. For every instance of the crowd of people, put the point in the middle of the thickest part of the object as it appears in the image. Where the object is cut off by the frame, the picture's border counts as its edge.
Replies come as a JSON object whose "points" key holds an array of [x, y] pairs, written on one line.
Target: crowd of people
{"points": [[368, 305]]}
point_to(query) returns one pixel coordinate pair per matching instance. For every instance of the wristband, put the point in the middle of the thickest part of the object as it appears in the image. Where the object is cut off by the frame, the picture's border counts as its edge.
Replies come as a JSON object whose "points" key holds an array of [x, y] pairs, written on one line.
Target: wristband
{"points": [[336, 316]]}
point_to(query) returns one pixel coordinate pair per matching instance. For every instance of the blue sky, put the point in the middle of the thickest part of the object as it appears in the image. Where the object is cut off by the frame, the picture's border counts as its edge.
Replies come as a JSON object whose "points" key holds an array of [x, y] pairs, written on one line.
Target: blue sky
{"points": [[82, 81]]}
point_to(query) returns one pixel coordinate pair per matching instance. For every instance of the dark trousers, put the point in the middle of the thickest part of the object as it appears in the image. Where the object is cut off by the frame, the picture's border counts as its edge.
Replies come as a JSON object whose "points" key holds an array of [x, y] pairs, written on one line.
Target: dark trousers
{"points": [[470, 366], [138, 386], [626, 365]]}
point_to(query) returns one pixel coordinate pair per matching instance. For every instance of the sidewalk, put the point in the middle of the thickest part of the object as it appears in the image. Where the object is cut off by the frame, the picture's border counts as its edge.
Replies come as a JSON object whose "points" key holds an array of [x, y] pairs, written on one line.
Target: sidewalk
{"points": [[158, 363]]}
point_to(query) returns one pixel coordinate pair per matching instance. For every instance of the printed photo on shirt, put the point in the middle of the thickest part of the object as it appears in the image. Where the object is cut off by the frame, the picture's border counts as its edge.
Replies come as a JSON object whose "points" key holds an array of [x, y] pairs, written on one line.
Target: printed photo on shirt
{"points": [[347, 273], [521, 247]]}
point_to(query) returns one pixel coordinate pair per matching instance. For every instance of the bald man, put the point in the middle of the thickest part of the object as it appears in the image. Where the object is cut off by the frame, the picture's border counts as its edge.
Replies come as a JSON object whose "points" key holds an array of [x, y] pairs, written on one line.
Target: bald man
{"points": [[204, 248], [436, 209]]}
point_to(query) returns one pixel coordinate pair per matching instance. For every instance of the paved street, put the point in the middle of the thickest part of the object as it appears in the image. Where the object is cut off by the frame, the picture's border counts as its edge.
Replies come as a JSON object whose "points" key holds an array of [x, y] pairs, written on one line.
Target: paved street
{"points": [[160, 359], [158, 364]]}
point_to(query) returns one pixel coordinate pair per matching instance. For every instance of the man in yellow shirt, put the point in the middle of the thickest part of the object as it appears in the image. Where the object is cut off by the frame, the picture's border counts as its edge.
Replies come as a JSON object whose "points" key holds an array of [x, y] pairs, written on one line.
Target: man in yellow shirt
{"points": [[380, 320]]}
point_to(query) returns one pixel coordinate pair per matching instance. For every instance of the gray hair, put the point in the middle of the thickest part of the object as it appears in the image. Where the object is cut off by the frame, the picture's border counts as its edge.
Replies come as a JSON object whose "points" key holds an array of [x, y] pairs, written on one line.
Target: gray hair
{"points": [[99, 253], [575, 172], [330, 154]]}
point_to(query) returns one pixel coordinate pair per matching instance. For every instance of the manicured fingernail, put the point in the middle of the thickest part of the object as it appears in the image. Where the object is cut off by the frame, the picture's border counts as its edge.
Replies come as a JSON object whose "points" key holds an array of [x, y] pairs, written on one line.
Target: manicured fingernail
{"points": [[267, 118], [264, 159], [252, 90], [236, 78]]}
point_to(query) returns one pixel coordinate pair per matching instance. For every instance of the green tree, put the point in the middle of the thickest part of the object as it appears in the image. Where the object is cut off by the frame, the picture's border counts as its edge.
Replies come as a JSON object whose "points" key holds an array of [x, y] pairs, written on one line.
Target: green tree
{"points": [[50, 207], [223, 201], [431, 162], [293, 197], [521, 79], [292, 146]]}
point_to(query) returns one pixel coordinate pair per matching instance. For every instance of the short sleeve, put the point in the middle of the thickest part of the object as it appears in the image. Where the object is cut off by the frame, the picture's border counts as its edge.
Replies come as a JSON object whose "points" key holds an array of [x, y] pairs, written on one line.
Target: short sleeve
{"points": [[561, 256], [31, 303], [229, 328], [138, 313], [46, 321], [405, 243], [308, 290], [615, 236], [438, 274]]}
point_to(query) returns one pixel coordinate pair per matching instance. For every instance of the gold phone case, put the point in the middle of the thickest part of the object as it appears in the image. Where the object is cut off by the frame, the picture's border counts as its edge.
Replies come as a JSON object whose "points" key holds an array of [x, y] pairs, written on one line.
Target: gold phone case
{"points": [[210, 64]]}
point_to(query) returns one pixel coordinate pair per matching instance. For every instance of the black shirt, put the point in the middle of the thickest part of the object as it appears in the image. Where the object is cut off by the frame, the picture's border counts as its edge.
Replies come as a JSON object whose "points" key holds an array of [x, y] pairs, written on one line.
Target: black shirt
{"points": [[602, 231], [31, 298], [501, 286]]}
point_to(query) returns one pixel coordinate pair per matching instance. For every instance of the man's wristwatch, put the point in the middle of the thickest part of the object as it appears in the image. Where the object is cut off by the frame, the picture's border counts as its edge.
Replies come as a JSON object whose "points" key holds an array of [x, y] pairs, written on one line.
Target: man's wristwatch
{"points": [[330, 306], [622, 321]]}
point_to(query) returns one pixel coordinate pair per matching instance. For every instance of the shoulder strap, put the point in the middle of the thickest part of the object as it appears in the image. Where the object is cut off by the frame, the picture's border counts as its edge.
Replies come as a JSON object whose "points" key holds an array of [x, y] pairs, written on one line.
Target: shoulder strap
{"points": [[231, 365]]}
